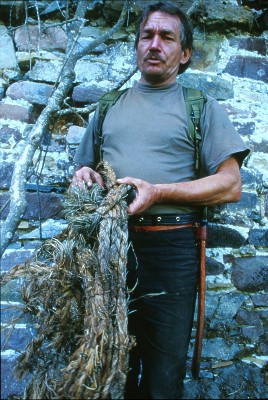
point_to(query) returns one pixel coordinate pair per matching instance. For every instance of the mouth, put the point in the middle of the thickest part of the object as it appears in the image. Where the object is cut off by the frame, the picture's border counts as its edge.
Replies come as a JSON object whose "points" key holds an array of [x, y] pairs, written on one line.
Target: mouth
{"points": [[154, 58]]}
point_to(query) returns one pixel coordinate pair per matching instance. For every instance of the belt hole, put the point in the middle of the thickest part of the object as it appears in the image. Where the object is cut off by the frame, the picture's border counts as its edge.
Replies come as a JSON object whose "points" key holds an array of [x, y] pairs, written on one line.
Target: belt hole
{"points": [[178, 218], [159, 219]]}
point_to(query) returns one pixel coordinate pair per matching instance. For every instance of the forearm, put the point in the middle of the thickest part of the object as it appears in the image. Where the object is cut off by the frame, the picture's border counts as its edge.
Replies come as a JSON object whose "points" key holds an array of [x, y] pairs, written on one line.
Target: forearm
{"points": [[212, 190], [223, 187]]}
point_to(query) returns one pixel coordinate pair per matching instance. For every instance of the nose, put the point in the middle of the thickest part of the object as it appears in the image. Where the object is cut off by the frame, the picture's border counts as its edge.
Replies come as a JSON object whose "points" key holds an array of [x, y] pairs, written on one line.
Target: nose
{"points": [[155, 43]]}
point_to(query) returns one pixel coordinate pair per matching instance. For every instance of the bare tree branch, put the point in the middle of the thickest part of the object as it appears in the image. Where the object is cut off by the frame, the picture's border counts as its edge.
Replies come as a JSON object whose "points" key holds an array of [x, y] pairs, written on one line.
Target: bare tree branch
{"points": [[63, 85]]}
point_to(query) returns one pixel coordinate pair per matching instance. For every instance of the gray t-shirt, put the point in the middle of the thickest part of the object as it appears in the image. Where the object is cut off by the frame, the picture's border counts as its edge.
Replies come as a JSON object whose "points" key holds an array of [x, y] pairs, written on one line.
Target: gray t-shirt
{"points": [[145, 135]]}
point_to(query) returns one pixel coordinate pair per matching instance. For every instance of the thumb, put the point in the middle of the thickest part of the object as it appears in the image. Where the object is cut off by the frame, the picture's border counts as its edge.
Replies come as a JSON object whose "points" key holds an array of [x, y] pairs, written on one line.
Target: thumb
{"points": [[127, 180]]}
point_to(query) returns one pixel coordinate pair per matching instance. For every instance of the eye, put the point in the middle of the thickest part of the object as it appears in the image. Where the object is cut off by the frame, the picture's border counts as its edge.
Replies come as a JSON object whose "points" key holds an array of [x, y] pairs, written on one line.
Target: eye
{"points": [[169, 38], [146, 36]]}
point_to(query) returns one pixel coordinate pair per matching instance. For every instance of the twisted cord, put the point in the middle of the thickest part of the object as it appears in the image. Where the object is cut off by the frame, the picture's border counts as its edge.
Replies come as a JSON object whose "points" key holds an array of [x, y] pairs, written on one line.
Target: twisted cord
{"points": [[75, 287]]}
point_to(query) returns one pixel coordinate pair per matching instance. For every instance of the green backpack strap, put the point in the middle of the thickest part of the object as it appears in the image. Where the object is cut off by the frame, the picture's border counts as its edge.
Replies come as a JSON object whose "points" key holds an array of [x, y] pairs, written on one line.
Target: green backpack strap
{"points": [[194, 100], [105, 103]]}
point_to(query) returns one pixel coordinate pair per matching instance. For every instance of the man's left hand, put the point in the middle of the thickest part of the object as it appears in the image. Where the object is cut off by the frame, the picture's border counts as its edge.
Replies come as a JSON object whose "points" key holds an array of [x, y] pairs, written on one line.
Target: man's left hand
{"points": [[147, 194]]}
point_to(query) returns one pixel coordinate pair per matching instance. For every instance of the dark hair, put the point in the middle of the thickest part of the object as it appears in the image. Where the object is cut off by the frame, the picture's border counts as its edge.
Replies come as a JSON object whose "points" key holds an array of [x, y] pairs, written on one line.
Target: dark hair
{"points": [[186, 33]]}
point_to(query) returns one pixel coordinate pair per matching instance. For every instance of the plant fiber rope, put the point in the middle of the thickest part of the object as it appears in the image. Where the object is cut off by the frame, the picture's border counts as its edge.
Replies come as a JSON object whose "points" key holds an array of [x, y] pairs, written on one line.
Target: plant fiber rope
{"points": [[75, 289]]}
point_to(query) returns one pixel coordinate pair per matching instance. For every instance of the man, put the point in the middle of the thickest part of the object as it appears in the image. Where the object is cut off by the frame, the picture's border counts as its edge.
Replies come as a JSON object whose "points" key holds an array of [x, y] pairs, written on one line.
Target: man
{"points": [[145, 139]]}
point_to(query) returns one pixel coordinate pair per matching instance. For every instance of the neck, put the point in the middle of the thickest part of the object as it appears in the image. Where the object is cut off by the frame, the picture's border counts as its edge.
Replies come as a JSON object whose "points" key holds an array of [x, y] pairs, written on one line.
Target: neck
{"points": [[156, 83]]}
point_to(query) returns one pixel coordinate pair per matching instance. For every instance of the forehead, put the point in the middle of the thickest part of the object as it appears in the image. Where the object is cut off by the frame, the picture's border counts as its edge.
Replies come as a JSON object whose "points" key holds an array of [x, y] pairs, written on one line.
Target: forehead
{"points": [[162, 21]]}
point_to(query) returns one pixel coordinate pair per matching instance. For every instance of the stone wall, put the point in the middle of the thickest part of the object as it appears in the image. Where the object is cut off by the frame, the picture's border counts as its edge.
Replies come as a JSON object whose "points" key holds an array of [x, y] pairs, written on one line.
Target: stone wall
{"points": [[230, 64]]}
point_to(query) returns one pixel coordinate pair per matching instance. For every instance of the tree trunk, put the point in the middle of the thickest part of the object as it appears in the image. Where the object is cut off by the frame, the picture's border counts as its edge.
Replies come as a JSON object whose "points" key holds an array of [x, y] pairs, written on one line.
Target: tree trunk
{"points": [[62, 87]]}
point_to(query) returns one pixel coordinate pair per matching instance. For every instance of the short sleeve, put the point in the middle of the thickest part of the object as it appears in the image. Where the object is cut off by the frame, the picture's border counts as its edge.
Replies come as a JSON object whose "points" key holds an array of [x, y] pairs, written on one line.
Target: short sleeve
{"points": [[88, 151], [220, 140]]}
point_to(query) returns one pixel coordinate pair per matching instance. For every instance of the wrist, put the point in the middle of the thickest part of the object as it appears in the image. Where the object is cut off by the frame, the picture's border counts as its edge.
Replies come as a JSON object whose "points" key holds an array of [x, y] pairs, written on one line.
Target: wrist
{"points": [[158, 193]]}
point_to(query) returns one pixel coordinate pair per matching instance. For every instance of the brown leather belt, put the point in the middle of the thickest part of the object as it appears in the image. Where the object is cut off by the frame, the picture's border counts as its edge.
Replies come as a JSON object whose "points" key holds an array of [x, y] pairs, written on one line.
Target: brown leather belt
{"points": [[151, 228]]}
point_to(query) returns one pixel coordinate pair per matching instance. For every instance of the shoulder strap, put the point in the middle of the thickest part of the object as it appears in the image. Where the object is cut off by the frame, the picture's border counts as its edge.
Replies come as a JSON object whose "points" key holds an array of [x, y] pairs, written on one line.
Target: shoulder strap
{"points": [[194, 100], [105, 103]]}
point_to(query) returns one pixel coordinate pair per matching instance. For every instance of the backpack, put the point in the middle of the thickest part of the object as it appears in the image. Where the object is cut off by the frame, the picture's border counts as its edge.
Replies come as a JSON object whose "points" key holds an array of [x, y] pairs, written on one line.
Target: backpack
{"points": [[194, 101]]}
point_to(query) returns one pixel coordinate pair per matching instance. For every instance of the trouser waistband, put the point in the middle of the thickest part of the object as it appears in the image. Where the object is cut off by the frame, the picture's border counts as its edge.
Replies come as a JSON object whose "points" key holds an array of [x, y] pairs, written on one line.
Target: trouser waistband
{"points": [[163, 219]]}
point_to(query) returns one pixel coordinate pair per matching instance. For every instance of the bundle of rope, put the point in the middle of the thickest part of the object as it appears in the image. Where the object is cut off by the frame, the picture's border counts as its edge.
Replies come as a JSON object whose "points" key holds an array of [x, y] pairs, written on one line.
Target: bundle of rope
{"points": [[75, 288]]}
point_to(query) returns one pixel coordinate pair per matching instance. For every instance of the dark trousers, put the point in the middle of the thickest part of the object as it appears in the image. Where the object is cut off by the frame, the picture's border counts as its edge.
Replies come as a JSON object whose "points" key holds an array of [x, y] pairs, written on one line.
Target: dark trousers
{"points": [[163, 270]]}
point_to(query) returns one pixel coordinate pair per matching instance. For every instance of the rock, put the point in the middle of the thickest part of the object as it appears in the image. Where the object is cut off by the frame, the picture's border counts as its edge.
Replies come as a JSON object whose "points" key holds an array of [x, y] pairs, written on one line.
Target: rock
{"points": [[222, 364], [12, 75], [250, 178], [53, 8], [11, 387], [213, 267], [50, 228], [88, 71], [12, 258], [5, 176], [114, 65], [258, 237], [45, 71], [29, 38], [236, 112], [85, 42], [261, 147], [7, 52], [224, 16], [248, 202], [11, 137], [75, 134], [92, 32], [19, 113], [247, 128], [35, 93], [250, 274], [215, 86], [201, 389], [205, 56], [46, 205], [225, 311], [225, 236], [260, 300], [87, 93], [3, 85], [248, 67], [11, 290], [248, 317], [262, 346], [236, 382], [252, 332], [219, 349], [26, 60], [254, 44]]}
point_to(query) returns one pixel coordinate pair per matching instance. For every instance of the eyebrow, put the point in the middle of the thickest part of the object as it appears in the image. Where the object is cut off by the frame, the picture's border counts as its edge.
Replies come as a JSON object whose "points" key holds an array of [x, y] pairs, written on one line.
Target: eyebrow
{"points": [[162, 31]]}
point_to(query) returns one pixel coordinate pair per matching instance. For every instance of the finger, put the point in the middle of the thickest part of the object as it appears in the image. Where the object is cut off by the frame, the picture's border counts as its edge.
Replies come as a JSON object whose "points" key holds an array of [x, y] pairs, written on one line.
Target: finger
{"points": [[98, 179], [78, 182]]}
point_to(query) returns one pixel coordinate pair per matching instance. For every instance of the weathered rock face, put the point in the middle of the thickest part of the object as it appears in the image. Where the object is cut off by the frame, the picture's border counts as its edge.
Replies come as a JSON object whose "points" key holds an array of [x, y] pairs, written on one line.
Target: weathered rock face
{"points": [[230, 64]]}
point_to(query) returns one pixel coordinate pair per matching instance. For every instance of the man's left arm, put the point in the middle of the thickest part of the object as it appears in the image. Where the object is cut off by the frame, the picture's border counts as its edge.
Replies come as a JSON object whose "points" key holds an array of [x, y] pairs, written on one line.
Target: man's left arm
{"points": [[222, 187]]}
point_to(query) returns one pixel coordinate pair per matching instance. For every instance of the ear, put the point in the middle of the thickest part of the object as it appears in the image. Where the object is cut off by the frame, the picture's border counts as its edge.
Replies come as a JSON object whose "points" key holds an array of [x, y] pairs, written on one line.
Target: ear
{"points": [[186, 54]]}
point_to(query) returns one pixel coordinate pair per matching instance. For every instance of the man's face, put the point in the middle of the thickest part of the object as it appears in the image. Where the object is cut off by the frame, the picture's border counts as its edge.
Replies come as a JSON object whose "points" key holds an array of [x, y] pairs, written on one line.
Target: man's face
{"points": [[159, 52]]}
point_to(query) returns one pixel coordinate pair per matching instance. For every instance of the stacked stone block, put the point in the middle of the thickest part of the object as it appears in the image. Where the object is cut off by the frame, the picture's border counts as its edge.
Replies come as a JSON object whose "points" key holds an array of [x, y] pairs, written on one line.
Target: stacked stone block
{"points": [[230, 64]]}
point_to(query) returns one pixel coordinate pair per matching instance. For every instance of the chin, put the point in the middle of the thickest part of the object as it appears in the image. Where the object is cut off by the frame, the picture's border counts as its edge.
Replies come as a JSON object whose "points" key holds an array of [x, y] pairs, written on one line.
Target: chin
{"points": [[155, 77]]}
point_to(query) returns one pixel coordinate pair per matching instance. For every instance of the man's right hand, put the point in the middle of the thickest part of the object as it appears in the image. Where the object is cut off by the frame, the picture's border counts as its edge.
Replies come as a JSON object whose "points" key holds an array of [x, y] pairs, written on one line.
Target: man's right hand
{"points": [[86, 176]]}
